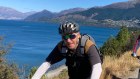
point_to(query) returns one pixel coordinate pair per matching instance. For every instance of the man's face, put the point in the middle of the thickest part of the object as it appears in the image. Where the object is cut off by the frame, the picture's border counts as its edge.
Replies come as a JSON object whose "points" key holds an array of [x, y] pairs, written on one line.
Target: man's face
{"points": [[71, 40]]}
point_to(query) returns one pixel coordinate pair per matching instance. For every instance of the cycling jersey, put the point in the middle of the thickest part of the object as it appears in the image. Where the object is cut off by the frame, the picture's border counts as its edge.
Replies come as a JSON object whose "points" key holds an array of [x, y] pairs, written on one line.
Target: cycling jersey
{"points": [[79, 65]]}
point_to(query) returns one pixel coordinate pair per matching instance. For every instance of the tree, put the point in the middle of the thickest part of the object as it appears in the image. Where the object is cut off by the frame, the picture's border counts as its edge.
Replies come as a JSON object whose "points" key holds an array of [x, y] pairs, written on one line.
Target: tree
{"points": [[117, 45], [110, 47], [123, 37]]}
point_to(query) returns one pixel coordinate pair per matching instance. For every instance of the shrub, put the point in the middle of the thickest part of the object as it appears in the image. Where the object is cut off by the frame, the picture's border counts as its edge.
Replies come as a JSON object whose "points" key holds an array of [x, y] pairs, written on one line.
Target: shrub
{"points": [[116, 45], [7, 71]]}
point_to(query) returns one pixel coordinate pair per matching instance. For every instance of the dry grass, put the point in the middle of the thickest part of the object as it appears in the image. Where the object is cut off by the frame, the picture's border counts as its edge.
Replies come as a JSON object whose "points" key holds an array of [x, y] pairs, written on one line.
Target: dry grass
{"points": [[119, 67], [113, 67]]}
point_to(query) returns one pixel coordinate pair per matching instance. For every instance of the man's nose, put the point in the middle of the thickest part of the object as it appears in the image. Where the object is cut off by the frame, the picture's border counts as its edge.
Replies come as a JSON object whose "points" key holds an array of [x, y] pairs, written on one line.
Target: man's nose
{"points": [[68, 40]]}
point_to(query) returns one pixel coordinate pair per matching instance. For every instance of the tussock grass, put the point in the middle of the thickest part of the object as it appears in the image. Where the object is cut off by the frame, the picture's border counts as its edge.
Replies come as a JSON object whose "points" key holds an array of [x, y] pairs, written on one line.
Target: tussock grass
{"points": [[119, 67]]}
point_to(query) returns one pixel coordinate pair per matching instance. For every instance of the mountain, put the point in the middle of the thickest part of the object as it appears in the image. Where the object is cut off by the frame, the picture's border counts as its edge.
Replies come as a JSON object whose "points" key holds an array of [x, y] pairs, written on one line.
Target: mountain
{"points": [[121, 5], [47, 15], [64, 12], [29, 13], [43, 15], [116, 14], [9, 13], [117, 11]]}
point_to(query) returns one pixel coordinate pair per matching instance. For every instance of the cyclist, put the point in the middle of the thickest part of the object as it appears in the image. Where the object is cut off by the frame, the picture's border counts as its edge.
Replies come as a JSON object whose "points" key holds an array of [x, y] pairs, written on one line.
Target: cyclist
{"points": [[83, 62]]}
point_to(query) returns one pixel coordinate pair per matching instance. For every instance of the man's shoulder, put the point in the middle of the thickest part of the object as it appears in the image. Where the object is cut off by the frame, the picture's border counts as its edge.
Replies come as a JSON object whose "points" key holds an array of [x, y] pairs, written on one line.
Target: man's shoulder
{"points": [[59, 45], [60, 42], [88, 44]]}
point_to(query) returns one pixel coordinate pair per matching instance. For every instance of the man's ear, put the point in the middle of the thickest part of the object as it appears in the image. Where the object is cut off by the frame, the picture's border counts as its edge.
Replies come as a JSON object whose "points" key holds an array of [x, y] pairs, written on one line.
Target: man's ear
{"points": [[78, 34]]}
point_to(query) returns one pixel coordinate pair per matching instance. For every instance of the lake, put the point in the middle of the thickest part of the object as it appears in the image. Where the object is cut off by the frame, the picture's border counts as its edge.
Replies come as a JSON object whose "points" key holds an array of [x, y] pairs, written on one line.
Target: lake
{"points": [[33, 41]]}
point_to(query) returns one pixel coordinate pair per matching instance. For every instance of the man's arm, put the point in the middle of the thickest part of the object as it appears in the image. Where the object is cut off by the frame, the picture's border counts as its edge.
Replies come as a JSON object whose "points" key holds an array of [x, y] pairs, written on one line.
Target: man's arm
{"points": [[96, 71], [95, 61], [41, 70], [53, 57]]}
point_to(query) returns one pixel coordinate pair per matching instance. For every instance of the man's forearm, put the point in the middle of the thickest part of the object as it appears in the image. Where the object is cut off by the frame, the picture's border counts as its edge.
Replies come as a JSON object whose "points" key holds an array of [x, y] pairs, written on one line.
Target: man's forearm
{"points": [[41, 70], [96, 71]]}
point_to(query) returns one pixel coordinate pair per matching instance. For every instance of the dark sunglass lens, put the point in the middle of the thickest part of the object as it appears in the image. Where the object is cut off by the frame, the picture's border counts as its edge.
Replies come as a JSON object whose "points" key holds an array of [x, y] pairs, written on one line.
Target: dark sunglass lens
{"points": [[72, 36], [66, 37], [69, 36]]}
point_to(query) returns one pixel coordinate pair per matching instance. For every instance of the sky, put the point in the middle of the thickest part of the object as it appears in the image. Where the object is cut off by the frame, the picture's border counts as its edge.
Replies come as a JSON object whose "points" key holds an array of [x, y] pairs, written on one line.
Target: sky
{"points": [[53, 5]]}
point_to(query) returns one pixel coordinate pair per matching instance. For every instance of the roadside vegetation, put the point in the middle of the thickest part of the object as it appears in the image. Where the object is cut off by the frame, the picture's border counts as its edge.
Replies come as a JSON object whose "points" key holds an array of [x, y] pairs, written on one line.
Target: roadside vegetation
{"points": [[122, 42], [119, 67], [117, 60], [7, 71]]}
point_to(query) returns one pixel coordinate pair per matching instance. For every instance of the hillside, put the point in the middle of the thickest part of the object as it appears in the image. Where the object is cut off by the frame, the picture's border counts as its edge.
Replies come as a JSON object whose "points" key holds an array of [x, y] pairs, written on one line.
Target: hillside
{"points": [[43, 15], [126, 12], [124, 67], [113, 12], [46, 15]]}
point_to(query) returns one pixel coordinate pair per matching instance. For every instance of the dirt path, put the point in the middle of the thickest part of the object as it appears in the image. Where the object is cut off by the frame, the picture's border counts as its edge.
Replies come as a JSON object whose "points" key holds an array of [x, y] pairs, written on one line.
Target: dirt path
{"points": [[56, 72]]}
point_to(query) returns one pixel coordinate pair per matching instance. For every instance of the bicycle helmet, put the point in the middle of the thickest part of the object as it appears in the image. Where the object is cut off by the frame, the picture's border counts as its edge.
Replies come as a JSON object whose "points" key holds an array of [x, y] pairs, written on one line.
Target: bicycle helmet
{"points": [[68, 27]]}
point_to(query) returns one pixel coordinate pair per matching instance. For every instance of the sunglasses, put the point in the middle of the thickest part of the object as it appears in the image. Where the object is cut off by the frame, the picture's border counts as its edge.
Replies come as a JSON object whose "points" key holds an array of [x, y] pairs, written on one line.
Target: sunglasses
{"points": [[71, 36]]}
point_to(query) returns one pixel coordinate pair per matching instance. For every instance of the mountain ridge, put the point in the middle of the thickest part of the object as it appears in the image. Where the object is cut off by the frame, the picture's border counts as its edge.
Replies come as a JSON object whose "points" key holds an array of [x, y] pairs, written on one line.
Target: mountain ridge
{"points": [[49, 15], [114, 11], [112, 14], [12, 14]]}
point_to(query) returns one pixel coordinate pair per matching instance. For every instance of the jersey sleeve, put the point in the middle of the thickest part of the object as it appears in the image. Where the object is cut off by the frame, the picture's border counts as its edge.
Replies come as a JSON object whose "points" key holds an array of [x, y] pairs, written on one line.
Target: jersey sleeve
{"points": [[93, 55], [55, 56]]}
